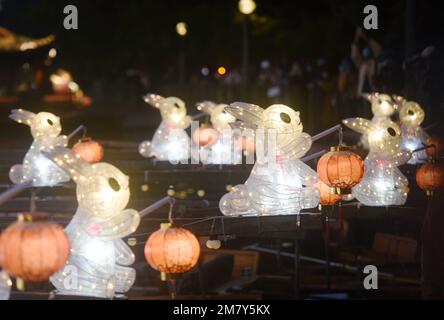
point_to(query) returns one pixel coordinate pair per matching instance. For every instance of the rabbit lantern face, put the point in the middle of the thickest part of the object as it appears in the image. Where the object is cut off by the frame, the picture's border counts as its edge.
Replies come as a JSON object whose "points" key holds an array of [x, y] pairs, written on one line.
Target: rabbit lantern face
{"points": [[411, 115], [172, 110], [220, 119], [43, 124]]}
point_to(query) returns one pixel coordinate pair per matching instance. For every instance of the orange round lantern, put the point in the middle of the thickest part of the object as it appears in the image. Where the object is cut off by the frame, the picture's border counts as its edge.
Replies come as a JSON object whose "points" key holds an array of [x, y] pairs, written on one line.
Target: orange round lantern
{"points": [[33, 251], [340, 169], [172, 250], [2, 254], [89, 150], [327, 198], [438, 148], [206, 134], [430, 177]]}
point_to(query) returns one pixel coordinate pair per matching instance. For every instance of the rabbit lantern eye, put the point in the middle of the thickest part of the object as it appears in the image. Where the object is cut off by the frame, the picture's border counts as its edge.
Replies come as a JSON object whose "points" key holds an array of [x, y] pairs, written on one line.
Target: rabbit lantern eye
{"points": [[285, 117], [50, 122], [176, 105], [410, 112], [391, 131], [114, 184]]}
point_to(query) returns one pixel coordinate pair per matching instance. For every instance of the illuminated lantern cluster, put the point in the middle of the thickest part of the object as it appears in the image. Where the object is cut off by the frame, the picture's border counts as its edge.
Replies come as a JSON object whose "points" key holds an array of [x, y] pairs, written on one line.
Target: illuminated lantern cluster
{"points": [[172, 250], [89, 150], [383, 183], [225, 149], [383, 107], [45, 129], [170, 141], [99, 256], [414, 137], [430, 177], [33, 251], [283, 184], [62, 82], [340, 169]]}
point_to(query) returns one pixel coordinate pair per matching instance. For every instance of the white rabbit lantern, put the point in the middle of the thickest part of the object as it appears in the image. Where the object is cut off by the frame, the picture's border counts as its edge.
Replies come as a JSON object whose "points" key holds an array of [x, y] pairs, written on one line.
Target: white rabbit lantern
{"points": [[383, 107], [411, 115], [170, 141], [98, 260], [226, 149], [279, 188], [383, 183], [40, 171]]}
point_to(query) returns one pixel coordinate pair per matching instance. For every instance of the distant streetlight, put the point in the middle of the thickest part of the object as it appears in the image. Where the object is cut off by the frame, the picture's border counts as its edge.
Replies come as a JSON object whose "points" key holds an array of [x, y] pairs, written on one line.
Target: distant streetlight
{"points": [[247, 6], [181, 29]]}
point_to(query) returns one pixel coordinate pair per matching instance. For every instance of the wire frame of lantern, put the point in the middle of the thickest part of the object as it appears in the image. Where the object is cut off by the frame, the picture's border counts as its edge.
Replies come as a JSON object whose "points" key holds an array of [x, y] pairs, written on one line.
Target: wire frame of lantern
{"points": [[411, 115], [283, 184], [383, 107], [340, 169], [383, 183], [45, 129], [172, 250], [99, 257], [170, 141]]}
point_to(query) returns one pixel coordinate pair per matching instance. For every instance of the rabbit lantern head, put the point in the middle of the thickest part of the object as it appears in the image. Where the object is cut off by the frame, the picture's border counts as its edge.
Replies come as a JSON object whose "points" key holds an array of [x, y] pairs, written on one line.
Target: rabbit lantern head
{"points": [[283, 185], [45, 129], [383, 105], [220, 119], [172, 110], [411, 115]]}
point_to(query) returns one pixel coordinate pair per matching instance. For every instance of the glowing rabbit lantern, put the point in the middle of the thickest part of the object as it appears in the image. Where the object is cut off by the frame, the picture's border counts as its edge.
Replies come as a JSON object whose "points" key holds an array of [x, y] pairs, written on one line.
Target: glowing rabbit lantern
{"points": [[98, 256], [170, 141], [383, 183], [414, 137], [283, 184], [383, 107], [45, 129], [226, 149]]}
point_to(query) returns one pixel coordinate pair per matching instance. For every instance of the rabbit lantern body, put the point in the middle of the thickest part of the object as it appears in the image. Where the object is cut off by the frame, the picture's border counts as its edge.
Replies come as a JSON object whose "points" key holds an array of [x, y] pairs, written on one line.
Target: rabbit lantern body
{"points": [[280, 187], [383, 183], [99, 257], [170, 141]]}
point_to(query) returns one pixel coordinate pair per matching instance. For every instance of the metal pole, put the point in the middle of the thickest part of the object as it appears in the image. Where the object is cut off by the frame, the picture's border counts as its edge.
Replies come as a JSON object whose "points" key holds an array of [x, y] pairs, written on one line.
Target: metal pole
{"points": [[326, 132], [245, 49], [77, 130], [156, 205], [313, 156], [13, 191]]}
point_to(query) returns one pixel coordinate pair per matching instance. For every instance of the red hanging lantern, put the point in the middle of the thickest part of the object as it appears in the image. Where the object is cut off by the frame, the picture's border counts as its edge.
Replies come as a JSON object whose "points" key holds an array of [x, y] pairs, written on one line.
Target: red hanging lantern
{"points": [[2, 254], [89, 150], [204, 135], [33, 251], [172, 250], [430, 177], [438, 148], [327, 198], [340, 169]]}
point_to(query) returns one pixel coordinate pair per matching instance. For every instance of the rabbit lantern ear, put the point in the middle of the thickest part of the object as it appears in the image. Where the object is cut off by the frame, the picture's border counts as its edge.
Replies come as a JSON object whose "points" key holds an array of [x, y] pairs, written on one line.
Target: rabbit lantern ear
{"points": [[69, 161], [206, 106], [360, 125], [22, 116], [153, 99], [251, 115]]}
